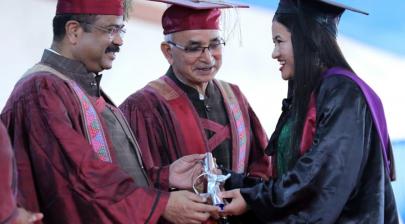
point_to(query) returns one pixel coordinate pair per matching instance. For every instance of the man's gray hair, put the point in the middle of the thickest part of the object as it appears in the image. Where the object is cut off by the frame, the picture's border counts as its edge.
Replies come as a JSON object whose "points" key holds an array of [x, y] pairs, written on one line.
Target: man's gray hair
{"points": [[169, 37]]}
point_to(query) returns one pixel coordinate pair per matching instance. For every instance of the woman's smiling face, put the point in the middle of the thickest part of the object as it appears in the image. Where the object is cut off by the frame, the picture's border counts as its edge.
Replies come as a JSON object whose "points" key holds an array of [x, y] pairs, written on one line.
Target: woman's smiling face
{"points": [[283, 50]]}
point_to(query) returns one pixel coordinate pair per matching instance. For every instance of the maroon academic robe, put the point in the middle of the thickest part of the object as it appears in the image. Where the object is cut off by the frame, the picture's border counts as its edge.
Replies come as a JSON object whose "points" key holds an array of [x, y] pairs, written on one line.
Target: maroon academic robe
{"points": [[8, 208], [59, 173], [162, 140]]}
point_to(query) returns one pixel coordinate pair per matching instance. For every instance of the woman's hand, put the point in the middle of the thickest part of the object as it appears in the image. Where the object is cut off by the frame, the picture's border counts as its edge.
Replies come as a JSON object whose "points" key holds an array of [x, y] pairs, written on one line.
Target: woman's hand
{"points": [[237, 206]]}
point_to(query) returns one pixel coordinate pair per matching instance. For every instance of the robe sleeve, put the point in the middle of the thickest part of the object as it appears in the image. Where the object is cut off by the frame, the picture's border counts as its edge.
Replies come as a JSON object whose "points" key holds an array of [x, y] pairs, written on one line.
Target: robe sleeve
{"points": [[317, 188], [151, 123], [8, 208], [56, 161]]}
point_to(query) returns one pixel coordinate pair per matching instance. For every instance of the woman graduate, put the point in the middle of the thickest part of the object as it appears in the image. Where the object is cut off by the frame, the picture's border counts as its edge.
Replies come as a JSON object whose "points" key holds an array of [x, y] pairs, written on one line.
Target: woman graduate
{"points": [[332, 157]]}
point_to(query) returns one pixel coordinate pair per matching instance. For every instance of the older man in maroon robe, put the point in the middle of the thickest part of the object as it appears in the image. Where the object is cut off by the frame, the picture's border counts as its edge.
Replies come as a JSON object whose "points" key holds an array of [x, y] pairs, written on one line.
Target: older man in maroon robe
{"points": [[187, 110], [77, 159]]}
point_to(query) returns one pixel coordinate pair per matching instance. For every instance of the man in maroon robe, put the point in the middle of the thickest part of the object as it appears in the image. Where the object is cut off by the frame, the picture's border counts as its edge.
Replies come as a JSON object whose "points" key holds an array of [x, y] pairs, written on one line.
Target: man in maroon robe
{"points": [[77, 159], [9, 213], [187, 110]]}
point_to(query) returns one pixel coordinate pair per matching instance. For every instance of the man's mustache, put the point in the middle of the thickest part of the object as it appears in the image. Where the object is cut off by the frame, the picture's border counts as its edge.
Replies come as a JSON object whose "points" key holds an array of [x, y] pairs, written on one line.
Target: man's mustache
{"points": [[112, 48]]}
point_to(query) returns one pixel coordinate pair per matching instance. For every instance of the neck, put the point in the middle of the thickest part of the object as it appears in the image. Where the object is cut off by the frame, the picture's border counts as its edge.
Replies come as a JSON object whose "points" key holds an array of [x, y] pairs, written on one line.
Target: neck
{"points": [[200, 87], [60, 49]]}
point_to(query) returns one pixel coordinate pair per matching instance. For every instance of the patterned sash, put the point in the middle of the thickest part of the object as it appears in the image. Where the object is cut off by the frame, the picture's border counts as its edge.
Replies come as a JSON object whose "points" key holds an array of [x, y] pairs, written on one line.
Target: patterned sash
{"points": [[239, 122], [192, 134], [192, 127], [92, 124]]}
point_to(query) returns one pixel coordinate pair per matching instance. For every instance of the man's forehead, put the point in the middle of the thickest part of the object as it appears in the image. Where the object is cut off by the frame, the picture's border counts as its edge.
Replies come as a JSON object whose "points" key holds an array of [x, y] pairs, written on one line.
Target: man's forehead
{"points": [[197, 35]]}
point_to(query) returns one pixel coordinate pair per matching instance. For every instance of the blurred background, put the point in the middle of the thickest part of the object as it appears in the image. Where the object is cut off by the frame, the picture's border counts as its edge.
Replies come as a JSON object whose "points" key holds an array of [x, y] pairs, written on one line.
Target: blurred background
{"points": [[372, 44]]}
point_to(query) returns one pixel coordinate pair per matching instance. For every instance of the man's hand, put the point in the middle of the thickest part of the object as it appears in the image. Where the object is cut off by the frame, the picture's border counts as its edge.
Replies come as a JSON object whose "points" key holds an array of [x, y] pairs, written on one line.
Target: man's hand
{"points": [[187, 207], [27, 217], [237, 206], [183, 171]]}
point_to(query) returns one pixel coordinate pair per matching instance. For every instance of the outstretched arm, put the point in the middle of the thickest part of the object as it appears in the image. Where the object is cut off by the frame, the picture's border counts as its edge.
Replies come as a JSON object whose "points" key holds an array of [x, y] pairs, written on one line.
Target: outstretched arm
{"points": [[323, 179]]}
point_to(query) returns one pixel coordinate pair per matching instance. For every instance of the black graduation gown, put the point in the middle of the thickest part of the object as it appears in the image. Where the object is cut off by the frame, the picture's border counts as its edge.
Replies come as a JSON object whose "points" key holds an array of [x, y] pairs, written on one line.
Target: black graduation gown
{"points": [[341, 179]]}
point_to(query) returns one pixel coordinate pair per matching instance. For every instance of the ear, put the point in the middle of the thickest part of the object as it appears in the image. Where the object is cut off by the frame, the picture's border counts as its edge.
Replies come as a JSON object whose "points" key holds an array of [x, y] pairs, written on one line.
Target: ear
{"points": [[167, 52], [73, 31]]}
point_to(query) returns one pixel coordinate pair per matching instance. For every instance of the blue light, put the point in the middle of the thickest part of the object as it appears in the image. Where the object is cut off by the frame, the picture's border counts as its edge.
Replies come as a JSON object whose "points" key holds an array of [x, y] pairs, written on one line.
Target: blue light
{"points": [[398, 185]]}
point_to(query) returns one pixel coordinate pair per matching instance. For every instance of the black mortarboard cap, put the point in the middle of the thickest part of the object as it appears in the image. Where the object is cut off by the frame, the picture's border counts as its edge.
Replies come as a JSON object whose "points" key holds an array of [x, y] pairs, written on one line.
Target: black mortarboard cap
{"points": [[326, 12], [203, 4]]}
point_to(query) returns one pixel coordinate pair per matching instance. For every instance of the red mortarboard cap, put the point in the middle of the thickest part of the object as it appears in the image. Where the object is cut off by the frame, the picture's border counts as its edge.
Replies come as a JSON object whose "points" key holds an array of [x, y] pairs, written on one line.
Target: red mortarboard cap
{"points": [[96, 7], [193, 14]]}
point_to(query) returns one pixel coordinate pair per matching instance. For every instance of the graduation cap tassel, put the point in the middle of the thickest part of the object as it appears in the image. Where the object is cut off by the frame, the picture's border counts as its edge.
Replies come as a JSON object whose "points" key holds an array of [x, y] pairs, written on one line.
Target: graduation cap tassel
{"points": [[232, 26], [127, 9], [218, 2]]}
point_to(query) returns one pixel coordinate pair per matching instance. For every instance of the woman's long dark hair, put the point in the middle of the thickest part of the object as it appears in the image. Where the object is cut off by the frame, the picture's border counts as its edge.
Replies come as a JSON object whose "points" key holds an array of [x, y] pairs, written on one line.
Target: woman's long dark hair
{"points": [[315, 50]]}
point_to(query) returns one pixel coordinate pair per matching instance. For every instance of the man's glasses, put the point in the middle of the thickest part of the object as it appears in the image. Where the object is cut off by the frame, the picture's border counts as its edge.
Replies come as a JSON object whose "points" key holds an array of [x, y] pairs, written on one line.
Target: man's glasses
{"points": [[111, 31], [196, 50]]}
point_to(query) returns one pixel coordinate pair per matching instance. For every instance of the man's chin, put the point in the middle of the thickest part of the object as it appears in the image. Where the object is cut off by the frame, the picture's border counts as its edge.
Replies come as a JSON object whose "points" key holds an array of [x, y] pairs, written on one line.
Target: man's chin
{"points": [[206, 79], [107, 66], [206, 74]]}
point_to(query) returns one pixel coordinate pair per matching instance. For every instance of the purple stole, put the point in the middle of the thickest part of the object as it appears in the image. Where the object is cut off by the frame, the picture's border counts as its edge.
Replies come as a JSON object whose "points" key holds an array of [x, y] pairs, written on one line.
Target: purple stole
{"points": [[376, 109], [92, 124], [191, 126]]}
